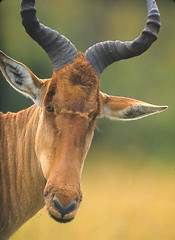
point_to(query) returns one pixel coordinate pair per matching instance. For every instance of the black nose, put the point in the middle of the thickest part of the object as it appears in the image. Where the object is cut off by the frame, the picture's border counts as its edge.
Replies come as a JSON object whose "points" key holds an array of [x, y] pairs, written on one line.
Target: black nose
{"points": [[64, 210]]}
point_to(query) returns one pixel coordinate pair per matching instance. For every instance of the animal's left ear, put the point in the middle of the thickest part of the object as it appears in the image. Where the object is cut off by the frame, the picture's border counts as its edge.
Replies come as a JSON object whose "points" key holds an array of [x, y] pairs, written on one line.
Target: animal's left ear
{"points": [[121, 108], [21, 78]]}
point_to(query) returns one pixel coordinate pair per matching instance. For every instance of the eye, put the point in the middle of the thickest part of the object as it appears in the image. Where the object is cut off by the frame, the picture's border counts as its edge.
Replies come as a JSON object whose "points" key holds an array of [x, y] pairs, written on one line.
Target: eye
{"points": [[50, 108], [93, 115]]}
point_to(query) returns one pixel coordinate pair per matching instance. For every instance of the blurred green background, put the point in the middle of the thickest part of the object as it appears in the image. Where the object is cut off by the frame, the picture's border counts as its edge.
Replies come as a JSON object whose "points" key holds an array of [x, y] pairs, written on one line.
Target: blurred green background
{"points": [[140, 146]]}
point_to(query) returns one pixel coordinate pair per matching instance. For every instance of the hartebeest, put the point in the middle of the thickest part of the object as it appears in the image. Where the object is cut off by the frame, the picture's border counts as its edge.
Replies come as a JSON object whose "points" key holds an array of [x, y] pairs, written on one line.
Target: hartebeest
{"points": [[42, 148]]}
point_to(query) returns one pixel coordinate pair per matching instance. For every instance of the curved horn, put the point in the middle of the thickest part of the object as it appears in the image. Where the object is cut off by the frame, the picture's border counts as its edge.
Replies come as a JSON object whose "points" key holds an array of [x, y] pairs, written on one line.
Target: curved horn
{"points": [[102, 54], [59, 49]]}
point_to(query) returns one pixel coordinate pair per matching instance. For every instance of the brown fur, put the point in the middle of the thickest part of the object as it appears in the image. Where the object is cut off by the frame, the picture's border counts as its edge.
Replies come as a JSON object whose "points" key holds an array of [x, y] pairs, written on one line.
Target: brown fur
{"points": [[61, 132], [21, 179]]}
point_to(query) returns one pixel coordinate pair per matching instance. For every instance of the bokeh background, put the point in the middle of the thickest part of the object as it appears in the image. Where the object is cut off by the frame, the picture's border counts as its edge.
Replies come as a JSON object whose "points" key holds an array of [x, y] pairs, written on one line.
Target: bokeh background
{"points": [[128, 179]]}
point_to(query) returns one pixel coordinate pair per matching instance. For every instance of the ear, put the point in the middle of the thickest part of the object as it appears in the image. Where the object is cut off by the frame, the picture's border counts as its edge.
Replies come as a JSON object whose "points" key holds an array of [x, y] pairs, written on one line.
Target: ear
{"points": [[21, 78], [121, 108]]}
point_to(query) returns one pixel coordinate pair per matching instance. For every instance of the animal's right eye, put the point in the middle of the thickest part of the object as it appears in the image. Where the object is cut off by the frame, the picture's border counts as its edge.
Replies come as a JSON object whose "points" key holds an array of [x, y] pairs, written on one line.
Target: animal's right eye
{"points": [[50, 108]]}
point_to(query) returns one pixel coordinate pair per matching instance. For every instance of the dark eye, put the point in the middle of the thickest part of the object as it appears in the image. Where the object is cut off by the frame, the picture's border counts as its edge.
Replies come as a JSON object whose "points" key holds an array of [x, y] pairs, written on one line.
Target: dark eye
{"points": [[50, 108], [93, 115]]}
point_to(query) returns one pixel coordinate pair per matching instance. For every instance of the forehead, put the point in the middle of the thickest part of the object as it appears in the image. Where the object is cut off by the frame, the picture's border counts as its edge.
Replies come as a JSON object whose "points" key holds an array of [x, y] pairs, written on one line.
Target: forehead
{"points": [[74, 84]]}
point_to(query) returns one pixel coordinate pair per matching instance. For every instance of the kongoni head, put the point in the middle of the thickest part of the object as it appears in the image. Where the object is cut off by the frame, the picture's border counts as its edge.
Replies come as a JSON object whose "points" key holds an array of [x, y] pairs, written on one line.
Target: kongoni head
{"points": [[71, 101]]}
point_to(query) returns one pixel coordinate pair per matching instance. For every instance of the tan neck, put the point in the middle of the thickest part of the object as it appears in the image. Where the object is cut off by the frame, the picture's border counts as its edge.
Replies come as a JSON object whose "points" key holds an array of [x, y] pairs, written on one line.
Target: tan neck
{"points": [[21, 178]]}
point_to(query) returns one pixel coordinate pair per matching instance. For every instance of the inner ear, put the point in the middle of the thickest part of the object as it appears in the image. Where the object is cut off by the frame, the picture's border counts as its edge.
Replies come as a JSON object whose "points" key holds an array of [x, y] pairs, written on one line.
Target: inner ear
{"points": [[121, 108], [21, 78]]}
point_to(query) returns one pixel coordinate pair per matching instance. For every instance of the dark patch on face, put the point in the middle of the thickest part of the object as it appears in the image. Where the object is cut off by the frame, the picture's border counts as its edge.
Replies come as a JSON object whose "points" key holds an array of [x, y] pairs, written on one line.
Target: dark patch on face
{"points": [[50, 95], [51, 92]]}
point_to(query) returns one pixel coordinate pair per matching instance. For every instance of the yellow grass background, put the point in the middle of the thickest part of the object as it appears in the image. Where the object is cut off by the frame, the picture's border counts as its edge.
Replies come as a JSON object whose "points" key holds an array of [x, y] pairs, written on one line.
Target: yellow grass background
{"points": [[120, 202]]}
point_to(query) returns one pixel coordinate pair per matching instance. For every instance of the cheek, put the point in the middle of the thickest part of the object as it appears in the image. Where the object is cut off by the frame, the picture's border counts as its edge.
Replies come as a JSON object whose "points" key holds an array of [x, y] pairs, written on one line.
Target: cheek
{"points": [[44, 151], [45, 160], [88, 141], [87, 146]]}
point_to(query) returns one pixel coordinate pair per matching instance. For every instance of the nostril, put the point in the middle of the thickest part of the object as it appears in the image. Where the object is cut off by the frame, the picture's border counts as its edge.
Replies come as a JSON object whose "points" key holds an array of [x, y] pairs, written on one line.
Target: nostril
{"points": [[64, 210]]}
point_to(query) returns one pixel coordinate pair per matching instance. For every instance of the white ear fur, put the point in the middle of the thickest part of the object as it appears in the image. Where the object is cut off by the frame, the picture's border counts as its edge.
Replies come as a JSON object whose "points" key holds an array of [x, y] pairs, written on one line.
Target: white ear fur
{"points": [[121, 108], [21, 78]]}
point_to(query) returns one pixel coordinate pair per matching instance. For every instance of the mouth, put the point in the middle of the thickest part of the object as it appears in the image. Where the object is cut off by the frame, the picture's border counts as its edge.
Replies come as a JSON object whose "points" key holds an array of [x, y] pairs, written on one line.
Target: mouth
{"points": [[61, 220]]}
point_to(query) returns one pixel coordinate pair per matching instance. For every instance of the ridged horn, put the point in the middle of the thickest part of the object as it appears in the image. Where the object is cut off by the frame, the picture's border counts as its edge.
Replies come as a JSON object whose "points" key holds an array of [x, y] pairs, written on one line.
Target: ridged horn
{"points": [[59, 49], [102, 54]]}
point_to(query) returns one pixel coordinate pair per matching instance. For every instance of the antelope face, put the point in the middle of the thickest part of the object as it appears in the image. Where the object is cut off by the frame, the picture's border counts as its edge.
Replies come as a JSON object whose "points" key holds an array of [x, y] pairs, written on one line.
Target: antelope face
{"points": [[70, 107], [62, 163]]}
